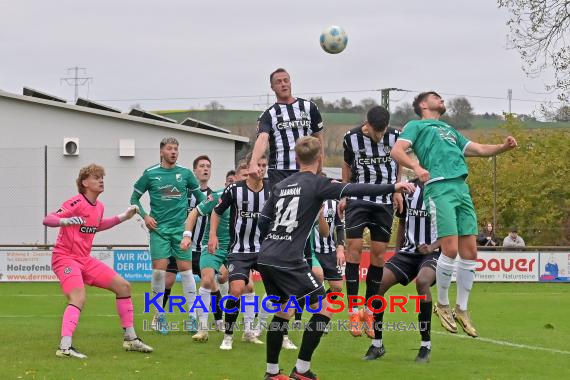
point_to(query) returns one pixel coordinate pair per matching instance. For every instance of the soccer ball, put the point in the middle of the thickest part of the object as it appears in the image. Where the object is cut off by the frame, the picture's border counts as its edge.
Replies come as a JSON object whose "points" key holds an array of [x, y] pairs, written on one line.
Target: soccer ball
{"points": [[334, 39]]}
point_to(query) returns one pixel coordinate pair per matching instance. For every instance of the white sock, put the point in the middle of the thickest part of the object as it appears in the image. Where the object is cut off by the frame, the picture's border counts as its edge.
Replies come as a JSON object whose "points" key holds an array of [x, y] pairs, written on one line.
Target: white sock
{"points": [[249, 315], [205, 295], [189, 289], [224, 288], [263, 315], [426, 344], [377, 342], [65, 342], [465, 278], [130, 333], [157, 284], [272, 368], [443, 273], [302, 366]]}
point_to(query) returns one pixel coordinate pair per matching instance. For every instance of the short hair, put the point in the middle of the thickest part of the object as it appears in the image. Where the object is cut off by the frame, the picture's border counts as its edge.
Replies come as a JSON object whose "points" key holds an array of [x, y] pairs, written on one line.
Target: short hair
{"points": [[200, 158], [249, 156], [513, 229], [307, 149], [85, 172], [168, 140], [278, 70], [242, 165], [420, 98], [231, 172], [378, 118]]}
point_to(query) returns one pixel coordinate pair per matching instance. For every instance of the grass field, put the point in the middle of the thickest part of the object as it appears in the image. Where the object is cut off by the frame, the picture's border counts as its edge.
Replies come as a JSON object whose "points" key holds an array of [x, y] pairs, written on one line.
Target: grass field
{"points": [[524, 329]]}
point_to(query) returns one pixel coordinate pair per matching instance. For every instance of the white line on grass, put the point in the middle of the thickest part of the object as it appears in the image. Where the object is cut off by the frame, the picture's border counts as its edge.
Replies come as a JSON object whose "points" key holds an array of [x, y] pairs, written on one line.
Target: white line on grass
{"points": [[504, 343]]}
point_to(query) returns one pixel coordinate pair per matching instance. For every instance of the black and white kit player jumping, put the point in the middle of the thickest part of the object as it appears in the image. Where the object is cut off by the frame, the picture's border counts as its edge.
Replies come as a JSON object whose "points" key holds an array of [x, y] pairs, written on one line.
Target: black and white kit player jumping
{"points": [[286, 222]]}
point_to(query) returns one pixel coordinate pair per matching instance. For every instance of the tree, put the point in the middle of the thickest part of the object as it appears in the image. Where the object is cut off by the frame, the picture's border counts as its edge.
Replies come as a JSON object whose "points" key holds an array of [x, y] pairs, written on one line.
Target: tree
{"points": [[539, 31], [319, 102], [368, 103], [460, 113], [402, 114], [214, 105], [563, 114]]}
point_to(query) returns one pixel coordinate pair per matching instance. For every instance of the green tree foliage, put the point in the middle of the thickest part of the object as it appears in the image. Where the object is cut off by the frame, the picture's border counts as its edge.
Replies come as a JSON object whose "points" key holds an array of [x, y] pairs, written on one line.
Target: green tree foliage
{"points": [[402, 114], [460, 113], [532, 184], [344, 105]]}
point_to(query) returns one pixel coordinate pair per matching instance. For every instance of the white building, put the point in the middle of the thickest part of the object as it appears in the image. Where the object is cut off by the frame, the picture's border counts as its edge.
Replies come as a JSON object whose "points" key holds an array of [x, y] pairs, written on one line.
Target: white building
{"points": [[45, 142]]}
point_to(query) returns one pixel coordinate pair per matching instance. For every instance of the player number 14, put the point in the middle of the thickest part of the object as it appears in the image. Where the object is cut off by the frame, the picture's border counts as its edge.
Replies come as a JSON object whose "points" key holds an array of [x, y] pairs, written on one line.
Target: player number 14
{"points": [[287, 217]]}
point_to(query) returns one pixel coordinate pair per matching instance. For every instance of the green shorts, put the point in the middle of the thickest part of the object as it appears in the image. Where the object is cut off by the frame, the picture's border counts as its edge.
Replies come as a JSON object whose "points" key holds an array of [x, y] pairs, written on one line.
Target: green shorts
{"points": [[214, 261], [165, 243], [451, 208]]}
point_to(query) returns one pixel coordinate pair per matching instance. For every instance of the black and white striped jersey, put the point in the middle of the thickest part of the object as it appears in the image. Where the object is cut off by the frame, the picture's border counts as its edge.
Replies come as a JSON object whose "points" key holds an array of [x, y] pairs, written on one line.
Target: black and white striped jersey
{"points": [[370, 162], [245, 206], [418, 229], [327, 244], [285, 123], [200, 226]]}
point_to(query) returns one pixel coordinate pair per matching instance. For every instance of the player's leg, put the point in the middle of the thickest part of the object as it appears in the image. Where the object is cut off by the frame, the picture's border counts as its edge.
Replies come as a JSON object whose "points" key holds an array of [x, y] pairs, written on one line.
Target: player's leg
{"points": [[68, 271], [171, 272], [160, 251], [184, 264], [222, 287], [378, 245], [209, 265], [424, 280], [389, 279], [249, 334], [237, 286]]}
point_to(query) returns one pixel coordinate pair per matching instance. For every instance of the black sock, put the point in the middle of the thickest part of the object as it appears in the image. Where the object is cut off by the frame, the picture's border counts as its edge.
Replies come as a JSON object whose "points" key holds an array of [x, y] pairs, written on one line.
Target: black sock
{"points": [[299, 314], [352, 278], [275, 339], [378, 319], [424, 318], [165, 297], [333, 297], [231, 318], [312, 336], [373, 279], [218, 314]]}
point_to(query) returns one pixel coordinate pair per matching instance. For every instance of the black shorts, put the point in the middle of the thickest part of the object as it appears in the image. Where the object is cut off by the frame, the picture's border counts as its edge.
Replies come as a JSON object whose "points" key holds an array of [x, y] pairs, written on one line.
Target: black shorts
{"points": [[240, 266], [196, 263], [377, 217], [406, 266], [275, 176], [331, 271], [287, 282], [172, 267]]}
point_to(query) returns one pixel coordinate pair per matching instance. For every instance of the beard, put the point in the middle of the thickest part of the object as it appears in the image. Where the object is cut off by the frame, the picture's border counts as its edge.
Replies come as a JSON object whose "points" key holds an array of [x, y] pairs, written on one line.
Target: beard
{"points": [[441, 109]]}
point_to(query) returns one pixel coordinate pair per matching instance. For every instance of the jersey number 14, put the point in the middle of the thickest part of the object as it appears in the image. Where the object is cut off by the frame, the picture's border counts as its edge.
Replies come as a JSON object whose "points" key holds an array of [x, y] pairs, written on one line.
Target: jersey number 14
{"points": [[287, 217]]}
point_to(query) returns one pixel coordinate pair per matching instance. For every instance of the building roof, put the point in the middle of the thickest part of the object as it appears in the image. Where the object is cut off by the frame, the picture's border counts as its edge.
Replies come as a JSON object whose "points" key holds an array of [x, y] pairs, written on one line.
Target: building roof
{"points": [[196, 127]]}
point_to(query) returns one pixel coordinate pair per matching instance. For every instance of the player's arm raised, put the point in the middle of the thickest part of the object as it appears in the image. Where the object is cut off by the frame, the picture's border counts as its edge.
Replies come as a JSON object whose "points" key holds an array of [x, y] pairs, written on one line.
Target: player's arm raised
{"points": [[324, 229], [473, 149], [403, 159], [66, 215], [111, 222]]}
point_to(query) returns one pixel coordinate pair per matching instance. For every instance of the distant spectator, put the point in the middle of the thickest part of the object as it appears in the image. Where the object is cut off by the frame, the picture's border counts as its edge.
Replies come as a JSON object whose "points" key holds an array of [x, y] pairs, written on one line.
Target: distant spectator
{"points": [[487, 238], [513, 240], [551, 267]]}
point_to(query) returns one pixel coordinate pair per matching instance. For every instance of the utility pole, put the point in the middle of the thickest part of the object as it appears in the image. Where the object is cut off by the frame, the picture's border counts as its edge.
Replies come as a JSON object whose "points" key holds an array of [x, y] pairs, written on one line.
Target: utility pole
{"points": [[510, 98], [385, 96], [76, 80]]}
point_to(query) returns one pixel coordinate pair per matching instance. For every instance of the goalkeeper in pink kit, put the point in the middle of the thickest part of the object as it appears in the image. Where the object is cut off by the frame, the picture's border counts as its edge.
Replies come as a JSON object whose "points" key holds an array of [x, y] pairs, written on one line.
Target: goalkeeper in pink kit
{"points": [[80, 218]]}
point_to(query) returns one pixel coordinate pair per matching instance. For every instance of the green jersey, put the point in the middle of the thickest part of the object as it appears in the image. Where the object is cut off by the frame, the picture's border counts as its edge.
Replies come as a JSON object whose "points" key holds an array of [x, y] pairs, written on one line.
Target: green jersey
{"points": [[439, 148], [206, 208], [168, 191]]}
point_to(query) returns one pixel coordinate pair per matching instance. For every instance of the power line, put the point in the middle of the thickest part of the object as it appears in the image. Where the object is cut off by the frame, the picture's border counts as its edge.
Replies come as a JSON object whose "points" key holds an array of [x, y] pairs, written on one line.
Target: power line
{"points": [[76, 80]]}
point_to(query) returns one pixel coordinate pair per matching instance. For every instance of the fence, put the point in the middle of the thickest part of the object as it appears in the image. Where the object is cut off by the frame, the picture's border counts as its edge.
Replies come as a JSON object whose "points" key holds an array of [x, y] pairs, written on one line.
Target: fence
{"points": [[533, 264]]}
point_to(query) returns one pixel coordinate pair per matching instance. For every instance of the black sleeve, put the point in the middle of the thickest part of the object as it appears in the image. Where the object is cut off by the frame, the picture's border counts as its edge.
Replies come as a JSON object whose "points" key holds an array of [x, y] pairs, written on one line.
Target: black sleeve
{"points": [[266, 216], [316, 119], [333, 190], [402, 215], [348, 153], [264, 123], [226, 200]]}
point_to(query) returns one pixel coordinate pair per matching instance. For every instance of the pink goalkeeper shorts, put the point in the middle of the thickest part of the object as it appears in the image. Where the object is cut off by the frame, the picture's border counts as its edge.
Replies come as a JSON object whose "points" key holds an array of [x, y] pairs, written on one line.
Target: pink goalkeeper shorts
{"points": [[75, 272]]}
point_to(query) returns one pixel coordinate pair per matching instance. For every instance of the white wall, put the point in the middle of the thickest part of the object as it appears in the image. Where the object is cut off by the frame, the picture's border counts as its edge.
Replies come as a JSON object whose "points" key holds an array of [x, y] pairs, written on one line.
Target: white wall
{"points": [[27, 127]]}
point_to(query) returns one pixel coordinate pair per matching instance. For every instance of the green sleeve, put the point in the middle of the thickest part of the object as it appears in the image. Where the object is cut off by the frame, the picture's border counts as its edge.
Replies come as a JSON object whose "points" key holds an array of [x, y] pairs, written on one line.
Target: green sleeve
{"points": [[194, 187], [410, 132], [462, 141], [207, 205], [141, 186]]}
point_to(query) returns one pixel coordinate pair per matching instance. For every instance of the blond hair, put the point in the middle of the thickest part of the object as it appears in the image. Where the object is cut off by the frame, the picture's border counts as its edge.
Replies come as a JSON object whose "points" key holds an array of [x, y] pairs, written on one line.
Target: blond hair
{"points": [[85, 172], [307, 149]]}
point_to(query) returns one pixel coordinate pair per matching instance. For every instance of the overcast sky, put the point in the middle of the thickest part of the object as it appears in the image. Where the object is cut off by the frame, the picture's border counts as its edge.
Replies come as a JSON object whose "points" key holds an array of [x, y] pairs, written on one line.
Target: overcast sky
{"points": [[225, 49]]}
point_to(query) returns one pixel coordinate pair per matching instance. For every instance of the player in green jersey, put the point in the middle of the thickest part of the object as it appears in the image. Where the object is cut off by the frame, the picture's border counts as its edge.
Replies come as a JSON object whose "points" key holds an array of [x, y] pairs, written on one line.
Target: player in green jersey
{"points": [[168, 185], [441, 151], [210, 264]]}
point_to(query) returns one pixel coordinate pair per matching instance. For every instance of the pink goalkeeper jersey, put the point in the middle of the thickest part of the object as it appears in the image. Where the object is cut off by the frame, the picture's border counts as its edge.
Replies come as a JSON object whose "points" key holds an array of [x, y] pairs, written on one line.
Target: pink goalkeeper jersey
{"points": [[77, 240]]}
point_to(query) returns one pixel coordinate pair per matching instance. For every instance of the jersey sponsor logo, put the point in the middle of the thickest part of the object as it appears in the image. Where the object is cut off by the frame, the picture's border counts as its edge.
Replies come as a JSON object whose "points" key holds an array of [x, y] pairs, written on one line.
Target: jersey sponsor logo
{"points": [[178, 177], [506, 265], [273, 236], [329, 219], [416, 212], [169, 192], [249, 214], [374, 160], [67, 270], [290, 192], [304, 115], [446, 134], [294, 124], [157, 178], [387, 149], [88, 230]]}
